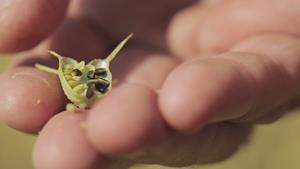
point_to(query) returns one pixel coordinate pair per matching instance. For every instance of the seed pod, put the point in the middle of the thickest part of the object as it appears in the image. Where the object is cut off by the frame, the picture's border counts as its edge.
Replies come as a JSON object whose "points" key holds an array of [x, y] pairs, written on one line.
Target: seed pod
{"points": [[83, 84], [79, 88], [102, 86], [76, 72], [90, 91], [91, 74], [100, 72]]}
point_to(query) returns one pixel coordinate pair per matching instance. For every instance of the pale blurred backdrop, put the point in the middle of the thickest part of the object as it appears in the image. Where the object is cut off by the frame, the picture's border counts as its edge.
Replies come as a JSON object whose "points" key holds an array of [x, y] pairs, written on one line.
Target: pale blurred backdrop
{"points": [[275, 146]]}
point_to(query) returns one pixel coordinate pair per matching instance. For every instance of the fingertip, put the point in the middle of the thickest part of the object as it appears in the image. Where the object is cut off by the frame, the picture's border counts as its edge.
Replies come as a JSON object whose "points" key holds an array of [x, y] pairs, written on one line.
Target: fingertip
{"points": [[62, 144], [26, 23], [29, 97], [125, 121], [182, 30], [177, 98], [201, 91]]}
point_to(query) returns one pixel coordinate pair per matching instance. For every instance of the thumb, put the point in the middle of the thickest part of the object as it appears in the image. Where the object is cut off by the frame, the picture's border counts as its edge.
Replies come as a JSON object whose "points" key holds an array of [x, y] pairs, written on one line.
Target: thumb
{"points": [[26, 23]]}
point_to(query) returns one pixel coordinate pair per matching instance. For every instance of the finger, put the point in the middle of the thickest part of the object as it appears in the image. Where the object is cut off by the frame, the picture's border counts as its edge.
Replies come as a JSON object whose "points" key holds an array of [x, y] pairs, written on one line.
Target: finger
{"points": [[206, 29], [211, 87], [62, 144], [31, 119], [214, 143], [283, 50], [143, 67], [130, 109], [76, 38], [183, 28], [29, 98], [197, 90], [149, 25], [140, 73], [25, 23]]}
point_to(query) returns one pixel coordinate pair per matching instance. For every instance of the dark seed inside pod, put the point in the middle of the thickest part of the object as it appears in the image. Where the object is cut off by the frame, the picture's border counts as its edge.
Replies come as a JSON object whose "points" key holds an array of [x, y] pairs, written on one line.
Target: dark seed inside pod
{"points": [[91, 74], [90, 91], [102, 86], [76, 72], [100, 72]]}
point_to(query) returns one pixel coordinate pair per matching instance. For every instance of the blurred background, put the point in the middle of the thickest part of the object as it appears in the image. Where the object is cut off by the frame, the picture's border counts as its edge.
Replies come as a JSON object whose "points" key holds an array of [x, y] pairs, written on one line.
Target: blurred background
{"points": [[274, 146]]}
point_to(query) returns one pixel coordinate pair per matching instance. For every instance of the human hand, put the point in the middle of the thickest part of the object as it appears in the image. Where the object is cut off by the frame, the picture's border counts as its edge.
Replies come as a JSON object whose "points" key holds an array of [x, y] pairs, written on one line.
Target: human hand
{"points": [[231, 52]]}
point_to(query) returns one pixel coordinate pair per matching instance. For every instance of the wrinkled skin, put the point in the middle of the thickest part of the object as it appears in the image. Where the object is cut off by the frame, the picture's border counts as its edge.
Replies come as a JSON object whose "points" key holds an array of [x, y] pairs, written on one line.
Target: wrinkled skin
{"points": [[194, 79]]}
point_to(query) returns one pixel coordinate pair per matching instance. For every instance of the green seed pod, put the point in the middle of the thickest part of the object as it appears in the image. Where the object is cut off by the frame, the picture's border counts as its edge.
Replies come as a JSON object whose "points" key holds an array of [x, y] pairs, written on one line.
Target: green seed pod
{"points": [[84, 84]]}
